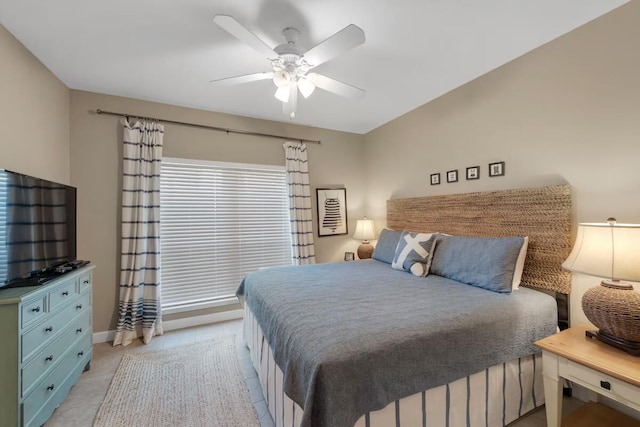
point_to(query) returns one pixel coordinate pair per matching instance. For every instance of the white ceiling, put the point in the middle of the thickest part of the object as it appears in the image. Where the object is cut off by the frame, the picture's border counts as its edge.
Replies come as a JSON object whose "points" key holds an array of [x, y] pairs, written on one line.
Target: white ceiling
{"points": [[169, 50]]}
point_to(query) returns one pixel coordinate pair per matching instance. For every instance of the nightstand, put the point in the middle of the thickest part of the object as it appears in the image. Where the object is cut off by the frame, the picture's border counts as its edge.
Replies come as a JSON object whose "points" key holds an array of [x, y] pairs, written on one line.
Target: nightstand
{"points": [[599, 367]]}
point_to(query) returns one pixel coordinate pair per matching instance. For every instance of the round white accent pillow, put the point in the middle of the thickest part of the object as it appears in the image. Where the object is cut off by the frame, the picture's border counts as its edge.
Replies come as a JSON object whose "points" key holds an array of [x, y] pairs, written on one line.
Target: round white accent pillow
{"points": [[417, 269]]}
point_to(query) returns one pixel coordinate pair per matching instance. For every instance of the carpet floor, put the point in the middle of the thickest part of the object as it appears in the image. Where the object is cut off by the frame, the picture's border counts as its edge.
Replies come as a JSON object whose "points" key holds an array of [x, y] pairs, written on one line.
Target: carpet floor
{"points": [[196, 385]]}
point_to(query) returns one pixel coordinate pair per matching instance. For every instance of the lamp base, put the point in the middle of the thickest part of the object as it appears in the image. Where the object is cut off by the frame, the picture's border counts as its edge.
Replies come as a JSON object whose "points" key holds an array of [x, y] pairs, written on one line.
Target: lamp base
{"points": [[365, 250], [631, 347], [614, 308]]}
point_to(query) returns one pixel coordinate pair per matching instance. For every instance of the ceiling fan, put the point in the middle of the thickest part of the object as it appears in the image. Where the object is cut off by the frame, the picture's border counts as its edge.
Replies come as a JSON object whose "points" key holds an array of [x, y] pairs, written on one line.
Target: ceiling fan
{"points": [[291, 63]]}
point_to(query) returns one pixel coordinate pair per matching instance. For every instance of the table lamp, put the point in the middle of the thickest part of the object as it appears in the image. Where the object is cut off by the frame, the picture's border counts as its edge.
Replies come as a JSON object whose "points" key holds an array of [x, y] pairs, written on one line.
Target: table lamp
{"points": [[612, 251], [365, 231]]}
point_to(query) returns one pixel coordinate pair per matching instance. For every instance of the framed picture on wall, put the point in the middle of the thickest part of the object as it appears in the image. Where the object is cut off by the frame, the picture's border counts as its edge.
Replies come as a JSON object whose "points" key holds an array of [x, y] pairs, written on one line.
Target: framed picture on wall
{"points": [[452, 176], [435, 178], [496, 169], [473, 172], [332, 211]]}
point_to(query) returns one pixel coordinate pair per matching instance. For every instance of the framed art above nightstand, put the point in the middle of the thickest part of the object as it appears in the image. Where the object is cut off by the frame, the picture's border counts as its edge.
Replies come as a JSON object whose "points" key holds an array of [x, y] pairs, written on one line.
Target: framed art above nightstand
{"points": [[332, 211]]}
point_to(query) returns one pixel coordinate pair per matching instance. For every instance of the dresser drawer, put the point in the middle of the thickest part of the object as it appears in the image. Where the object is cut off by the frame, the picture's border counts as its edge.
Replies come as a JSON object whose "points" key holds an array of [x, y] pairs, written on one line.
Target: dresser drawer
{"points": [[62, 294], [58, 381], [602, 383], [84, 347], [39, 336], [33, 310], [49, 357], [82, 304], [85, 281]]}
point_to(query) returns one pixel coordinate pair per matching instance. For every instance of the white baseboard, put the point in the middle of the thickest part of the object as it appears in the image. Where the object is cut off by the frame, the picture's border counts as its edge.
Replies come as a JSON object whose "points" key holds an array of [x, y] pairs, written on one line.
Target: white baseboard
{"points": [[172, 325], [104, 336], [205, 319]]}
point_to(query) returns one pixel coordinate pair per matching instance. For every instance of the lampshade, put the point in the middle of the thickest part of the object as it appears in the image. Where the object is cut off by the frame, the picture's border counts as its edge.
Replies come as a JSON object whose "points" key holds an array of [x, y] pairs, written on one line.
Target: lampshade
{"points": [[305, 86], [282, 94], [364, 230], [606, 250], [281, 78]]}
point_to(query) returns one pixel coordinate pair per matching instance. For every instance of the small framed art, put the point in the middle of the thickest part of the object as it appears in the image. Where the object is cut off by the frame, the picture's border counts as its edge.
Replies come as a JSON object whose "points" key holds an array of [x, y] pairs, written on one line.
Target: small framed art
{"points": [[349, 256], [452, 176], [473, 172], [435, 178], [496, 169], [332, 211]]}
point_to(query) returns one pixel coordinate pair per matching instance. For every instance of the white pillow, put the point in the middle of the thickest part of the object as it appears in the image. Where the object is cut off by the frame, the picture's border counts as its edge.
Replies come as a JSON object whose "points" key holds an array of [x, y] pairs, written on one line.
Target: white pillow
{"points": [[517, 274]]}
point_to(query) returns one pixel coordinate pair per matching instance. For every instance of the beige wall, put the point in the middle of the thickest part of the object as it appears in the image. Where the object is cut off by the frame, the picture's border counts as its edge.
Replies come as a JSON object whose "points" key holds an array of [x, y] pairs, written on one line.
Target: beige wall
{"points": [[568, 112], [96, 170], [34, 114]]}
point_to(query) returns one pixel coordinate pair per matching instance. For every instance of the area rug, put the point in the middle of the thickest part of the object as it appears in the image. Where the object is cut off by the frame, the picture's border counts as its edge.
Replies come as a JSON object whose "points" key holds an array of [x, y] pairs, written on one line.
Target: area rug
{"points": [[191, 386]]}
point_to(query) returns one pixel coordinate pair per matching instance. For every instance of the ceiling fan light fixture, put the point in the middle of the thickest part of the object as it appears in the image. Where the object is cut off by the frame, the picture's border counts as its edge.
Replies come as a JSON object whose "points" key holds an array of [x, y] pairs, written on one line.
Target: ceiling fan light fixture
{"points": [[282, 94], [281, 78], [306, 87]]}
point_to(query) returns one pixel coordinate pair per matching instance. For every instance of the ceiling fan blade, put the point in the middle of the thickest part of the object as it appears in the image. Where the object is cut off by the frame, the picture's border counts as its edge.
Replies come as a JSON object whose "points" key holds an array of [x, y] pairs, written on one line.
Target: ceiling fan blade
{"points": [[345, 39], [242, 79], [236, 29], [331, 85]]}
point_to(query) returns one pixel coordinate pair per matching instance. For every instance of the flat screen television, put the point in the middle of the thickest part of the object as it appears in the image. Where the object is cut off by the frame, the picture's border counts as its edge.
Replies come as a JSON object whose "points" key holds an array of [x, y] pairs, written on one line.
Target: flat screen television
{"points": [[37, 228]]}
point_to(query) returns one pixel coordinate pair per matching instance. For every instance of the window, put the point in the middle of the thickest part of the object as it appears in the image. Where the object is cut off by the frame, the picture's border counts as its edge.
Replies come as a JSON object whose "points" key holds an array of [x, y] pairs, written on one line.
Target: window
{"points": [[218, 222], [3, 227]]}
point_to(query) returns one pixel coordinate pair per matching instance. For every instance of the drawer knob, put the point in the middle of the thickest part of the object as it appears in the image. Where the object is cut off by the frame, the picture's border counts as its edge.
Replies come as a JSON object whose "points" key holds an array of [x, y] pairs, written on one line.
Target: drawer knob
{"points": [[86, 282], [35, 309], [80, 354], [48, 329], [79, 307], [65, 293], [605, 384], [49, 358], [78, 330], [51, 387]]}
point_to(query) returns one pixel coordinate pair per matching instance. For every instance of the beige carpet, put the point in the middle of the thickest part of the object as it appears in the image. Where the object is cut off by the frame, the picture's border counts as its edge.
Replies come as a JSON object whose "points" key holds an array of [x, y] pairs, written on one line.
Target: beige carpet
{"points": [[196, 385]]}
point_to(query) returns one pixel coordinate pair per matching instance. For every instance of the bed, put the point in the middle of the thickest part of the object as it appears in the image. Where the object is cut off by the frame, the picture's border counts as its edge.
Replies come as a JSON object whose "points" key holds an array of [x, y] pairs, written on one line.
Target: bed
{"points": [[360, 343]]}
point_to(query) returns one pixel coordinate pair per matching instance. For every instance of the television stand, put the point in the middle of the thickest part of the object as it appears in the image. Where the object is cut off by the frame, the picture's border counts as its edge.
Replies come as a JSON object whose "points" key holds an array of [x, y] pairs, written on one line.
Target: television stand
{"points": [[46, 345]]}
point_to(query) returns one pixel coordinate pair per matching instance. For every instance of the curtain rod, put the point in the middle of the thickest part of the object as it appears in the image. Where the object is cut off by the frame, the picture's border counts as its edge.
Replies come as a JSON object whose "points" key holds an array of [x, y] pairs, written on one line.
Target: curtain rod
{"points": [[219, 129]]}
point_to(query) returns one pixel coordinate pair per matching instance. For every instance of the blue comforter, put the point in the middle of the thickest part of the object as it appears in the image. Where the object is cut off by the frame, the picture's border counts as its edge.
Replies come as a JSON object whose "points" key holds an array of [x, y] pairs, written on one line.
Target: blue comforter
{"points": [[351, 337]]}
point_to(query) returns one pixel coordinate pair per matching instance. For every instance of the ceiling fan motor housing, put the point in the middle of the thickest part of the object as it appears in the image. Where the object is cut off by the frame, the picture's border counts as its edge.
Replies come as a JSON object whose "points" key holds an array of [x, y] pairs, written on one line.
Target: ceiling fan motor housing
{"points": [[290, 64]]}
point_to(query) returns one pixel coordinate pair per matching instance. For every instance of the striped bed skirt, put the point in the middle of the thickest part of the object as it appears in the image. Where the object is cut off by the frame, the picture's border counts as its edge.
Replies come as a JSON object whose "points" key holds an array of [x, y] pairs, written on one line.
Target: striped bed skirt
{"points": [[495, 396]]}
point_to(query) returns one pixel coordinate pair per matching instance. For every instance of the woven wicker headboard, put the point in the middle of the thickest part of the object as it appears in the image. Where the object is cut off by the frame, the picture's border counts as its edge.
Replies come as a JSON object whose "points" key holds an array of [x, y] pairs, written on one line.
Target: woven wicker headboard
{"points": [[543, 214]]}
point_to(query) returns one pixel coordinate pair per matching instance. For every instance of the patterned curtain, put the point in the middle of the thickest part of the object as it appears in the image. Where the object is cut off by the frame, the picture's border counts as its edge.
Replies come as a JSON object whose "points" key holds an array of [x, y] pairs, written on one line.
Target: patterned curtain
{"points": [[139, 306], [297, 165]]}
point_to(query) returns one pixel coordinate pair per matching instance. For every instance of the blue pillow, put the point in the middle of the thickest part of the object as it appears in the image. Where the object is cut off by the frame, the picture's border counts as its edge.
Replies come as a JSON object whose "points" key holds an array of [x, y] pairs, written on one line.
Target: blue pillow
{"points": [[413, 253], [386, 247], [487, 263]]}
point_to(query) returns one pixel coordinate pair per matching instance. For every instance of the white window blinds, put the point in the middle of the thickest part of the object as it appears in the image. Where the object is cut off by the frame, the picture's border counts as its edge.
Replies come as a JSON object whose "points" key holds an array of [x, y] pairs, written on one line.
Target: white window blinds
{"points": [[3, 226], [218, 222]]}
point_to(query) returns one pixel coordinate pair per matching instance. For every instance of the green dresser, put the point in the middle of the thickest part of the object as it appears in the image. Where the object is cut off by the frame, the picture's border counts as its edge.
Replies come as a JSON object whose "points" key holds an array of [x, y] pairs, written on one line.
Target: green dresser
{"points": [[45, 344]]}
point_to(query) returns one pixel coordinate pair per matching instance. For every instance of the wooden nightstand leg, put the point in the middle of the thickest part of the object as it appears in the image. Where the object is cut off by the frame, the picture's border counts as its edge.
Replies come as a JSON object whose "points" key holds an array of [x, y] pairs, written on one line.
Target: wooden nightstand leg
{"points": [[552, 389], [553, 399]]}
